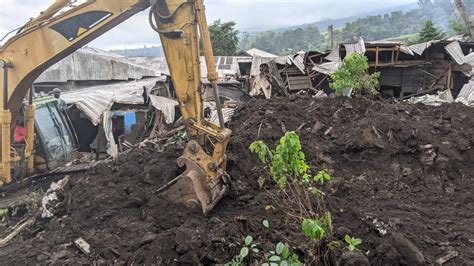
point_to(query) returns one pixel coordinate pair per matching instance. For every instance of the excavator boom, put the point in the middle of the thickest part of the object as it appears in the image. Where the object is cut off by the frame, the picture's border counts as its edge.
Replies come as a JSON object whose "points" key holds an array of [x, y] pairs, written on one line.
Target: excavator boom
{"points": [[181, 24]]}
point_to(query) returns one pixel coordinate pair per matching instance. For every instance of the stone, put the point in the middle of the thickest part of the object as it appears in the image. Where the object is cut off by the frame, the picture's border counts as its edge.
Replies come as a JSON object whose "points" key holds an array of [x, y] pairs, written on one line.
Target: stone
{"points": [[387, 255], [59, 255], [148, 238], [409, 252], [354, 258]]}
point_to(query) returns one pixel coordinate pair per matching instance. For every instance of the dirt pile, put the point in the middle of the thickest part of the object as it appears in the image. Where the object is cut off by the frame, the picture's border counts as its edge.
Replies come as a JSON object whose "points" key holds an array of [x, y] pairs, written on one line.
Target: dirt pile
{"points": [[402, 182]]}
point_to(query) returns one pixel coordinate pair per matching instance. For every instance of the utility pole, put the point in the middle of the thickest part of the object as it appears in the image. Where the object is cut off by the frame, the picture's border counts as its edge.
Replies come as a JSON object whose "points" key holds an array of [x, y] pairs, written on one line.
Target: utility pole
{"points": [[465, 17], [331, 32]]}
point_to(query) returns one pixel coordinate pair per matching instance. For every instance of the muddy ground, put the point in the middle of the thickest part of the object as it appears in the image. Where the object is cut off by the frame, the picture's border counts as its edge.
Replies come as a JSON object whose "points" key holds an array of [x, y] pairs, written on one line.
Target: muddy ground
{"points": [[402, 182]]}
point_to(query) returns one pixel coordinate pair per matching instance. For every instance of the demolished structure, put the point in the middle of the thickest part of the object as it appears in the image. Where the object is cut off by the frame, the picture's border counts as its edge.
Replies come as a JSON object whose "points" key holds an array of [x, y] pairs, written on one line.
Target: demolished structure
{"points": [[406, 71]]}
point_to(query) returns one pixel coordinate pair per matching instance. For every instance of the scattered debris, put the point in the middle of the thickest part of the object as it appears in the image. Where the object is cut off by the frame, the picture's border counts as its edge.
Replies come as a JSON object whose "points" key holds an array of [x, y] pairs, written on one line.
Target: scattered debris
{"points": [[52, 198], [451, 255], [82, 245]]}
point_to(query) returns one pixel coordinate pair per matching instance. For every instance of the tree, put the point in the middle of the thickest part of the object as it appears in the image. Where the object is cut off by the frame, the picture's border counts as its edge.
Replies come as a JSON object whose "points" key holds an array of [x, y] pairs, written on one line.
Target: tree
{"points": [[430, 33], [354, 74], [224, 38]]}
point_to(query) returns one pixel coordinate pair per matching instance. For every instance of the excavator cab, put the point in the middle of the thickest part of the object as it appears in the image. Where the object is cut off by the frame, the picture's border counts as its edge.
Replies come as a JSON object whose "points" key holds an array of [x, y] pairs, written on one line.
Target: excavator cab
{"points": [[55, 140]]}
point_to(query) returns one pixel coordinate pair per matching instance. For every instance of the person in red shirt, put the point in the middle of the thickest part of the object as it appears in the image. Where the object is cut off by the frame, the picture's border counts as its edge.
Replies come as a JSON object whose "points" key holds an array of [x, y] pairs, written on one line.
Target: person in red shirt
{"points": [[19, 132]]}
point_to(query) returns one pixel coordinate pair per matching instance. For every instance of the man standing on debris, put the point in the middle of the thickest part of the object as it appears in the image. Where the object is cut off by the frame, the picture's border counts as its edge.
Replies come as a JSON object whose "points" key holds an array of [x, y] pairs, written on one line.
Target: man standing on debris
{"points": [[62, 103]]}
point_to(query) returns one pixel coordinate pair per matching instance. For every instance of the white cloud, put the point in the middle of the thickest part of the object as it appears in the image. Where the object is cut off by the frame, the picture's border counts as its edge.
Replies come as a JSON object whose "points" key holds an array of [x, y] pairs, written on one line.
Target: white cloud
{"points": [[250, 15]]}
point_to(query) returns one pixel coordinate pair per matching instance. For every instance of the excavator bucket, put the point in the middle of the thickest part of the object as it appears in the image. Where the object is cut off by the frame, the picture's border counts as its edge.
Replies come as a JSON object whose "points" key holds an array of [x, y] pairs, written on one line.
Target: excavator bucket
{"points": [[202, 184]]}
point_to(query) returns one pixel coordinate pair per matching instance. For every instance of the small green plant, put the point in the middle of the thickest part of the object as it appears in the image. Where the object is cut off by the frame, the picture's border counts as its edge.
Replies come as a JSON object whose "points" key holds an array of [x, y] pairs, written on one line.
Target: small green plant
{"points": [[322, 177], [179, 137], [3, 213], [352, 242], [354, 74], [282, 256], [248, 246], [316, 229]]}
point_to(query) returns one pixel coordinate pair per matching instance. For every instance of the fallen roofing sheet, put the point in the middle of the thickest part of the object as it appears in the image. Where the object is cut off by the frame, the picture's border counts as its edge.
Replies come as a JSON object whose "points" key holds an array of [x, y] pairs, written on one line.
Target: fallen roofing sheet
{"points": [[298, 61], [466, 96], [166, 106], [358, 47], [96, 100], [455, 51], [329, 67]]}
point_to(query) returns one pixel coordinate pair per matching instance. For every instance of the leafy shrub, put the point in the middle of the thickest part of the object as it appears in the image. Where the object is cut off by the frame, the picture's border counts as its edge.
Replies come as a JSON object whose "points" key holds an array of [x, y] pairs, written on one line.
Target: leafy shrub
{"points": [[354, 74], [287, 160]]}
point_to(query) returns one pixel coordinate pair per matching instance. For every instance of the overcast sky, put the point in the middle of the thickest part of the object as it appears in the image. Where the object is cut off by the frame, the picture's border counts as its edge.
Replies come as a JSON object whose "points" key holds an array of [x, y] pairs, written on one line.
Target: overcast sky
{"points": [[250, 15]]}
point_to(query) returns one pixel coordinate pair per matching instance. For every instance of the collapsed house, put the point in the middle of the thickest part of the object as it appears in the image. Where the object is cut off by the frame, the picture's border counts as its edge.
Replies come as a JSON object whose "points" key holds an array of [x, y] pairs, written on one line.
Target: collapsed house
{"points": [[406, 71], [108, 97], [115, 102]]}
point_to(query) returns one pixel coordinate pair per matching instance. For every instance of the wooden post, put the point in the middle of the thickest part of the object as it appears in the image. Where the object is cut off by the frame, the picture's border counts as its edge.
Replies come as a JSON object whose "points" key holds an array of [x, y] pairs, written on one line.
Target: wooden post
{"points": [[376, 57], [450, 76]]}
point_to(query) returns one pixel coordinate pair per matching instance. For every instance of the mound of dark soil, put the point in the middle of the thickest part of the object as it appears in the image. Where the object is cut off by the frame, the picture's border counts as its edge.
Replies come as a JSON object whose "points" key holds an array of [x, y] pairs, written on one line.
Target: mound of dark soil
{"points": [[402, 181]]}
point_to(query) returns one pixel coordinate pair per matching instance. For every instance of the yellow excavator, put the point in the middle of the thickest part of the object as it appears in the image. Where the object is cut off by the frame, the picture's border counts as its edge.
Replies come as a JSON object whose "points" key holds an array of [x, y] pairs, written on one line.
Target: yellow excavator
{"points": [[65, 27]]}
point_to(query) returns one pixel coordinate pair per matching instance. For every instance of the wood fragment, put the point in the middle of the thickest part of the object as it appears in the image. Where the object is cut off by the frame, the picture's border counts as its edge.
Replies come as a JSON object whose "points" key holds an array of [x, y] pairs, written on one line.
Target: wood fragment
{"points": [[376, 132], [283, 128], [328, 131], [301, 127], [451, 255], [20, 228]]}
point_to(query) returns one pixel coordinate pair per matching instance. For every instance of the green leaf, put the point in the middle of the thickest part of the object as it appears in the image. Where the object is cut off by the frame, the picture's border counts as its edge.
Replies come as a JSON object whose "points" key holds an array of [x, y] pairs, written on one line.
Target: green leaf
{"points": [[256, 250], [248, 240], [286, 252], [348, 239], [266, 223], [244, 252], [279, 248], [357, 241], [313, 229], [334, 245], [275, 258], [284, 263]]}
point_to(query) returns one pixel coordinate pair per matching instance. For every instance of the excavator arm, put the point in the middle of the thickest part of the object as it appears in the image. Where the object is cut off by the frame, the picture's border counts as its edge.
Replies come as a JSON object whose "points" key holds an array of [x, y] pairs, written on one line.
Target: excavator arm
{"points": [[181, 24]]}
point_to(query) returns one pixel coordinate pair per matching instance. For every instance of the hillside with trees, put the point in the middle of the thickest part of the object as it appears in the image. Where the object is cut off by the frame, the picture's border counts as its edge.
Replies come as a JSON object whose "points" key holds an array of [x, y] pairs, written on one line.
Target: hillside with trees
{"points": [[443, 14]]}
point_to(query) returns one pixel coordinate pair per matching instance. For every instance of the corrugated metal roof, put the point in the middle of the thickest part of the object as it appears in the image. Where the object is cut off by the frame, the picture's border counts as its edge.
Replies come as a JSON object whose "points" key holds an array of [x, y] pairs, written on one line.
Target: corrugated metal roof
{"points": [[455, 51], [166, 106], [327, 68], [334, 56], [94, 64], [257, 52], [283, 60], [421, 47], [95, 100], [272, 67], [330, 67], [358, 47], [298, 61], [466, 96], [156, 63]]}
